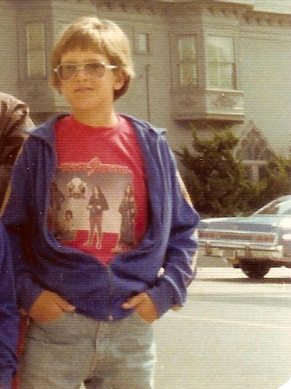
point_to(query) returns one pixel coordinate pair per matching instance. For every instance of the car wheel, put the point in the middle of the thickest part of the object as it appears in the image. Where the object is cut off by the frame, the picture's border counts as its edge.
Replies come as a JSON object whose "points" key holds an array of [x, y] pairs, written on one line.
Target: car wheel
{"points": [[255, 270]]}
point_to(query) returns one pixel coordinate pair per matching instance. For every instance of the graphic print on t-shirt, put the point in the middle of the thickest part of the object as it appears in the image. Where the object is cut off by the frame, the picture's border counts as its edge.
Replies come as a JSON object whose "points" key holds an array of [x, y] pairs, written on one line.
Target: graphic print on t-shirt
{"points": [[93, 208]]}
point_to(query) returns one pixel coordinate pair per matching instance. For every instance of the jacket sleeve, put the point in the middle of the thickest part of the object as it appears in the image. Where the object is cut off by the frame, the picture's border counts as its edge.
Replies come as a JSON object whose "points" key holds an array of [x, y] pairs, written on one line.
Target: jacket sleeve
{"points": [[19, 220], [9, 318], [179, 268]]}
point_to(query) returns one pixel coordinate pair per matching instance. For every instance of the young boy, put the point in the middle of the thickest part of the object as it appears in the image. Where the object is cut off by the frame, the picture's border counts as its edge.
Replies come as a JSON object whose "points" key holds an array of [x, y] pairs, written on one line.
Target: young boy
{"points": [[91, 305]]}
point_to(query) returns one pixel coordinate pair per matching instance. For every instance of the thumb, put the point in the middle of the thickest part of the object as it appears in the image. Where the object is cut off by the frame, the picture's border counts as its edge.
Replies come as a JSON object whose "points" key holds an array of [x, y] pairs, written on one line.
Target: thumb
{"points": [[132, 302], [64, 305]]}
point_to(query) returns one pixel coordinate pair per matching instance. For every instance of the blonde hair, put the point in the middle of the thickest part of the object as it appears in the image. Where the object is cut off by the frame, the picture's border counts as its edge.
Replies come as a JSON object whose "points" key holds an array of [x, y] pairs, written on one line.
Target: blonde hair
{"points": [[100, 35]]}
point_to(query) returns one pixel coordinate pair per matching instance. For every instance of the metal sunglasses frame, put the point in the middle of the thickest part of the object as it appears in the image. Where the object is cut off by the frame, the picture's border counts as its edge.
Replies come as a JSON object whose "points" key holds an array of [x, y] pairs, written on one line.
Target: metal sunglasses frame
{"points": [[82, 66]]}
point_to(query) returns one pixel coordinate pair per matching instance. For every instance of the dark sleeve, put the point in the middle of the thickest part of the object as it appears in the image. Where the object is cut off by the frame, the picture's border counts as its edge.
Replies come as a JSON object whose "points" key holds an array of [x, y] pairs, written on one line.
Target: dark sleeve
{"points": [[178, 272], [19, 222], [9, 320]]}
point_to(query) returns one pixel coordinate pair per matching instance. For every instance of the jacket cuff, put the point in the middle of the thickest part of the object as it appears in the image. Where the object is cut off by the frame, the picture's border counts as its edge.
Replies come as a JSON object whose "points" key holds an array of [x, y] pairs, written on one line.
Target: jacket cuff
{"points": [[6, 379], [32, 292], [163, 297]]}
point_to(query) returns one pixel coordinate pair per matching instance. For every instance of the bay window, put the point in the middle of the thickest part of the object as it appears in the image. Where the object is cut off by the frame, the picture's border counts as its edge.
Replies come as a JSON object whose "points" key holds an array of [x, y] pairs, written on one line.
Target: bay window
{"points": [[221, 70], [35, 49], [187, 60]]}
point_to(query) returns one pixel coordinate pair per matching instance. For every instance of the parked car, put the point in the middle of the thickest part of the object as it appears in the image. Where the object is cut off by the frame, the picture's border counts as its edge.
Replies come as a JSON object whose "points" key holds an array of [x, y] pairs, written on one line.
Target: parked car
{"points": [[254, 243]]}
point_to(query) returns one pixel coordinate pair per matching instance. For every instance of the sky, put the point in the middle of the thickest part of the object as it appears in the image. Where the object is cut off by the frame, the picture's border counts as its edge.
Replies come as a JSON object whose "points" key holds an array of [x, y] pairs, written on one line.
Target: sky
{"points": [[276, 5], [283, 6], [280, 6]]}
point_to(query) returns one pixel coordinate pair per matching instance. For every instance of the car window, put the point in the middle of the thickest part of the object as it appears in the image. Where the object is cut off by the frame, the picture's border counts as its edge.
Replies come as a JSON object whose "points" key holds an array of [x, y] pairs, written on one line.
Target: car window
{"points": [[271, 210], [277, 207]]}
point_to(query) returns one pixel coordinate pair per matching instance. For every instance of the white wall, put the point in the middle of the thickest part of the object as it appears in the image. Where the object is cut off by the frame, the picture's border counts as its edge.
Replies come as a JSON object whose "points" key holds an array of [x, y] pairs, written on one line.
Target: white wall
{"points": [[265, 76], [8, 48]]}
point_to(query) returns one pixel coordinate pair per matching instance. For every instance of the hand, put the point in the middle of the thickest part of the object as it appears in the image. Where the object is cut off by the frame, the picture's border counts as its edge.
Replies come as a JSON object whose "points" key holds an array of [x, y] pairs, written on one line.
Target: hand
{"points": [[143, 305], [48, 307]]}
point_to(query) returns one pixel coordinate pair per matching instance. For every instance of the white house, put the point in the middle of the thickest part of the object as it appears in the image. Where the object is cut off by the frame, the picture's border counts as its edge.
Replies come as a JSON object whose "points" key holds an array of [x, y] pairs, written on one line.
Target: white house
{"points": [[218, 63]]}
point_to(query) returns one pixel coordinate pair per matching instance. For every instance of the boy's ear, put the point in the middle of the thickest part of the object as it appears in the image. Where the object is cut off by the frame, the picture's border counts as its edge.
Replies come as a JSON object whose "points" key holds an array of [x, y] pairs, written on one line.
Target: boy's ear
{"points": [[119, 80], [59, 88]]}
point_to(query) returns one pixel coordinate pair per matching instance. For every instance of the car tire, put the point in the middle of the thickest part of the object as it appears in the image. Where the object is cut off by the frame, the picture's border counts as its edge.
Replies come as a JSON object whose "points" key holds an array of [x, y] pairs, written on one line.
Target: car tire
{"points": [[255, 270]]}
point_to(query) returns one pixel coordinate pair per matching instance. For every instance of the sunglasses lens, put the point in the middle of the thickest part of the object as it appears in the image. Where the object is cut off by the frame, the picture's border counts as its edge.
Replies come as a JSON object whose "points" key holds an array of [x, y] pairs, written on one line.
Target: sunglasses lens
{"points": [[92, 69], [95, 69], [67, 71]]}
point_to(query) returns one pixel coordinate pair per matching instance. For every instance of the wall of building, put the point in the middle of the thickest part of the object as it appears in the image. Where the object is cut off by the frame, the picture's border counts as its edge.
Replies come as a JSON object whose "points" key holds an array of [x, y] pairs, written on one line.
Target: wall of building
{"points": [[263, 55], [265, 77], [8, 48]]}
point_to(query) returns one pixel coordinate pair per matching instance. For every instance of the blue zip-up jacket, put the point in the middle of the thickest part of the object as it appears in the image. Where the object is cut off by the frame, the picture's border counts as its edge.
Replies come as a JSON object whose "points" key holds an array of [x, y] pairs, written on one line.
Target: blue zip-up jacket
{"points": [[9, 318], [96, 290]]}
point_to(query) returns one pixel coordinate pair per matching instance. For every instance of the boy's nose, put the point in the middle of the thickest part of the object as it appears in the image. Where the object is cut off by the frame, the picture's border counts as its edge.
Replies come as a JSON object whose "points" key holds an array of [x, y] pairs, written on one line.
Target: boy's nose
{"points": [[81, 72]]}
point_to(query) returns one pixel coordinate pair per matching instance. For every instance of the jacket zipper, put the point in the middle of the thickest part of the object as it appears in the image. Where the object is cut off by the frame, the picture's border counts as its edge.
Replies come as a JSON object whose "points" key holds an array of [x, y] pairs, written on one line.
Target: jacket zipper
{"points": [[110, 315]]}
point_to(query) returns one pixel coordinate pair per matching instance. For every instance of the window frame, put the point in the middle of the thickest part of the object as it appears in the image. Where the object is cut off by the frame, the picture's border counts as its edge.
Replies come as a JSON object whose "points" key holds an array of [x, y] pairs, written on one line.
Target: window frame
{"points": [[140, 31], [221, 67], [36, 57], [187, 66]]}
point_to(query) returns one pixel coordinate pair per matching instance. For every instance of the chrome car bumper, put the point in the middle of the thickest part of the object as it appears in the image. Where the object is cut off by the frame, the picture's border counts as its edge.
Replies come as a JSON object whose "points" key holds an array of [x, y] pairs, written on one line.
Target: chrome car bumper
{"points": [[240, 250]]}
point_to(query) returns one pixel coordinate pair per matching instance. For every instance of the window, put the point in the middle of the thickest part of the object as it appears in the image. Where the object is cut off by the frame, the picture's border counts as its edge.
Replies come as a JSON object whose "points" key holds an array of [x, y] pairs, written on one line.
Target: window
{"points": [[187, 60], [35, 49], [143, 42], [220, 62], [254, 148], [254, 152]]}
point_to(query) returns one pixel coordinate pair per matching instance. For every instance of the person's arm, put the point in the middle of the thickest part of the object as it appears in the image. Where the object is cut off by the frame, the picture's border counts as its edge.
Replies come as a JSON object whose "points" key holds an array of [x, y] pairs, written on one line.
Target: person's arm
{"points": [[9, 318], [170, 290], [179, 270], [20, 221]]}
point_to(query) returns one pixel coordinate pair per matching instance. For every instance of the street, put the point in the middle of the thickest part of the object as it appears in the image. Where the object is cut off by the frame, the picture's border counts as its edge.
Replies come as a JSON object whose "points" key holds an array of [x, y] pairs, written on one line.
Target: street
{"points": [[233, 333]]}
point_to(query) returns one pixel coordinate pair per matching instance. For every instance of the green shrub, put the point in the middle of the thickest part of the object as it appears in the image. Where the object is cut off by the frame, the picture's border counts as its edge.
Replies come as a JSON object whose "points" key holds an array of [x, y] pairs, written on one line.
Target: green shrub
{"points": [[217, 182]]}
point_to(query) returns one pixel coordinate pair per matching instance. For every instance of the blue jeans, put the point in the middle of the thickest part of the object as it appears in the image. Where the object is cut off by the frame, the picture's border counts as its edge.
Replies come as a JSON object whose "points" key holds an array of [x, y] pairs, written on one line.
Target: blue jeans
{"points": [[74, 349]]}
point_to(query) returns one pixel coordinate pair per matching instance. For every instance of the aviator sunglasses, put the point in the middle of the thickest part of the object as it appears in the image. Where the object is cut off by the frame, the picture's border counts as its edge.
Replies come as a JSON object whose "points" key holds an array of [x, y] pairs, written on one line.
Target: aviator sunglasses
{"points": [[66, 71]]}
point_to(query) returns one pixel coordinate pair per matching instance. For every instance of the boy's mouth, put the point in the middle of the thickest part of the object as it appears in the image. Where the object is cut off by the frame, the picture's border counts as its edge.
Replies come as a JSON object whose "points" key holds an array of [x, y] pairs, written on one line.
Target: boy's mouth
{"points": [[83, 89]]}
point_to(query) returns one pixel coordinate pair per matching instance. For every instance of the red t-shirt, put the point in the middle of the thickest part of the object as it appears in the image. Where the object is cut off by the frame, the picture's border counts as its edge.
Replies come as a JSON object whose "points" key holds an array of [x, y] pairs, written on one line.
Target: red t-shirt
{"points": [[99, 198]]}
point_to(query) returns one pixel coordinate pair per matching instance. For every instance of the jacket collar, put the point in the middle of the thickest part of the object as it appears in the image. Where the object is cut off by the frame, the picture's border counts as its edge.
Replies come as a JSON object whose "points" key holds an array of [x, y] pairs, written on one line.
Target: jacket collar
{"points": [[46, 131]]}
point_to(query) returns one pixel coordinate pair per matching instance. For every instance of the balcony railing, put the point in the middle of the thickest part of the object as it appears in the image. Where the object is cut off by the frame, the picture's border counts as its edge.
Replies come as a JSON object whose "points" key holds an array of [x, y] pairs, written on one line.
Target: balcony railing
{"points": [[192, 103]]}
